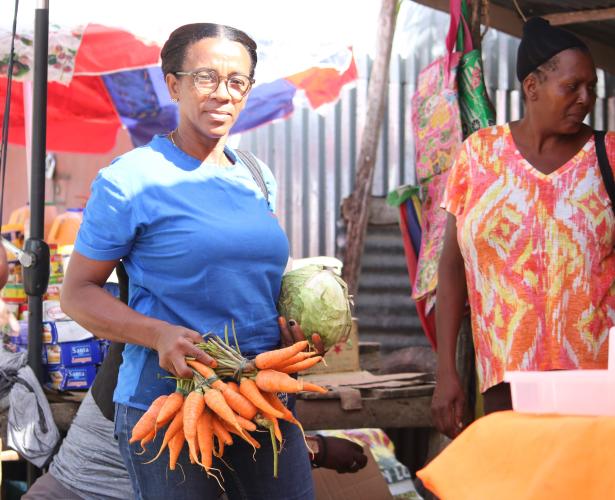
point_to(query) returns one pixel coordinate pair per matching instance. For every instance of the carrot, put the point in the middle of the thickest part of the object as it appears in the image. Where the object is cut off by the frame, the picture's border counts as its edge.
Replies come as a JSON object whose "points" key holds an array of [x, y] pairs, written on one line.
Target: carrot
{"points": [[300, 356], [147, 422], [249, 389], [217, 403], [233, 386], [273, 399], [170, 408], [308, 386], [175, 447], [240, 404], [205, 437], [193, 408], [147, 439], [246, 424], [276, 426], [172, 429], [222, 435], [268, 424], [288, 415], [274, 381], [204, 370], [246, 435], [301, 365], [235, 400], [269, 359], [220, 431]]}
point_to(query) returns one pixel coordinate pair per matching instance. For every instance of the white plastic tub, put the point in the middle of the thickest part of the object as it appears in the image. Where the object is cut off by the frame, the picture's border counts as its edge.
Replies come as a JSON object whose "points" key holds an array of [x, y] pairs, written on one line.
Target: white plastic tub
{"points": [[569, 392]]}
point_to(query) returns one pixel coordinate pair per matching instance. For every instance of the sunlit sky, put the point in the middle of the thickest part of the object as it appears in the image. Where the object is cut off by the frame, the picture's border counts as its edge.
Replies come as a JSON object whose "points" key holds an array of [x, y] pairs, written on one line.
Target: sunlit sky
{"points": [[289, 32], [312, 21]]}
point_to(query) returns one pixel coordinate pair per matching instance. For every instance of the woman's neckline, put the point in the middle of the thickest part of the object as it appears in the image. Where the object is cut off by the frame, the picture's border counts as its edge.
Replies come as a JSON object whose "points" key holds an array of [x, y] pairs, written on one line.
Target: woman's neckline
{"points": [[555, 172], [228, 155]]}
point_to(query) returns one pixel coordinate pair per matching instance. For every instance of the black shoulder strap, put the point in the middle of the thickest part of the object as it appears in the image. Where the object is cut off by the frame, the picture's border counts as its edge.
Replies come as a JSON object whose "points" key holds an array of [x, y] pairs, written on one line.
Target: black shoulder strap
{"points": [[106, 378], [252, 163], [605, 167]]}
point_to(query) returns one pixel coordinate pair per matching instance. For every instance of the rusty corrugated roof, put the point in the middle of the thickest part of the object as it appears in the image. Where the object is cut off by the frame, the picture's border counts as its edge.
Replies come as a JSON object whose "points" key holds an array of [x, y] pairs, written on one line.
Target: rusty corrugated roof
{"points": [[602, 31], [599, 35]]}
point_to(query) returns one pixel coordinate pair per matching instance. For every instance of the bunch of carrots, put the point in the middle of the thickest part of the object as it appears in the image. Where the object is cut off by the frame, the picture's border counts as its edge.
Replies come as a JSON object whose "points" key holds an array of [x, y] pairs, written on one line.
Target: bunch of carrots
{"points": [[233, 399]]}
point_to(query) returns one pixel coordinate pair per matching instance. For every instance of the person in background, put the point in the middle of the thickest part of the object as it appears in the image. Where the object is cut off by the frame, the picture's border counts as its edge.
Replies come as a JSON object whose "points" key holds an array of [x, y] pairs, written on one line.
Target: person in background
{"points": [[202, 248], [4, 267], [8, 322], [88, 465], [530, 234]]}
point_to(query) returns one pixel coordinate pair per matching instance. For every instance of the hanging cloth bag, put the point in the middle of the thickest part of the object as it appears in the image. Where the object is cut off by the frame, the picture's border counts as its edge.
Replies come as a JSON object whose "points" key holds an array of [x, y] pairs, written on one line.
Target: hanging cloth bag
{"points": [[438, 135], [476, 109]]}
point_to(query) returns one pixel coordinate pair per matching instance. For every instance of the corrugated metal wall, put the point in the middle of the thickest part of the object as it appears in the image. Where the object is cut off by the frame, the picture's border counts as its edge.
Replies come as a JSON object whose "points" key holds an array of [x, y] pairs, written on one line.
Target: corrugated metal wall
{"points": [[313, 153], [313, 157]]}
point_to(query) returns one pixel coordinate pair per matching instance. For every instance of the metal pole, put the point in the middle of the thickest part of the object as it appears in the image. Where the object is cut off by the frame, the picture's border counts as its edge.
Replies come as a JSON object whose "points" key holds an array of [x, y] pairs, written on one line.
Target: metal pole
{"points": [[37, 194], [37, 187]]}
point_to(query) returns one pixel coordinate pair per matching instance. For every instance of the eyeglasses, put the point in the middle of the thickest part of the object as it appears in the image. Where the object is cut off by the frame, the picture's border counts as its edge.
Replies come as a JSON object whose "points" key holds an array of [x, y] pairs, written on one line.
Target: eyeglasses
{"points": [[207, 82]]}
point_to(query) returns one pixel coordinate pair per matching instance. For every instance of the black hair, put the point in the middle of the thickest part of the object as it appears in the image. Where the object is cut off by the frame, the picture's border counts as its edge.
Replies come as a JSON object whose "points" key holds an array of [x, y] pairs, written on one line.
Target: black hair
{"points": [[540, 42], [174, 50], [542, 72]]}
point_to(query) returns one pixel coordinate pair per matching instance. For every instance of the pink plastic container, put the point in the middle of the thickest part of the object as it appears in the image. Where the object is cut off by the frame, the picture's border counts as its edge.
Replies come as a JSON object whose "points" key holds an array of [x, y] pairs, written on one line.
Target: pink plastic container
{"points": [[568, 392]]}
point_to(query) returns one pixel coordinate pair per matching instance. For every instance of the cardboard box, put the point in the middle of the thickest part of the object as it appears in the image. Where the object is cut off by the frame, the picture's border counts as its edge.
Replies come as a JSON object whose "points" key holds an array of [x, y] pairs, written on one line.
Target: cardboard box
{"points": [[66, 378], [82, 352], [55, 332], [341, 357], [53, 292], [366, 484], [50, 334], [53, 312], [13, 292]]}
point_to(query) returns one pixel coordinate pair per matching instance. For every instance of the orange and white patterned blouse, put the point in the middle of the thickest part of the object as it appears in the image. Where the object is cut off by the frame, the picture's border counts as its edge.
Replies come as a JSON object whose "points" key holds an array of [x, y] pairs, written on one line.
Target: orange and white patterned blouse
{"points": [[538, 253]]}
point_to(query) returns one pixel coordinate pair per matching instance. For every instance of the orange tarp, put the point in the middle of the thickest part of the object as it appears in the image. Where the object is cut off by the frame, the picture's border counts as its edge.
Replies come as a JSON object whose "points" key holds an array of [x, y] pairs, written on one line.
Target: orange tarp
{"points": [[513, 456]]}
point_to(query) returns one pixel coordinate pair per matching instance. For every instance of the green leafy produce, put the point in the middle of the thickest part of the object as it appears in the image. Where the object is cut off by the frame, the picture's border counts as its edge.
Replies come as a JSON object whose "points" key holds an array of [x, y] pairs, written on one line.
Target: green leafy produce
{"points": [[318, 300]]}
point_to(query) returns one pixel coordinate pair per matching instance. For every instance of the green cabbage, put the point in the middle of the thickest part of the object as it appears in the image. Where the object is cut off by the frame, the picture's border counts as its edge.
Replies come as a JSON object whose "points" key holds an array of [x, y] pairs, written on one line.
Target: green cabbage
{"points": [[317, 299]]}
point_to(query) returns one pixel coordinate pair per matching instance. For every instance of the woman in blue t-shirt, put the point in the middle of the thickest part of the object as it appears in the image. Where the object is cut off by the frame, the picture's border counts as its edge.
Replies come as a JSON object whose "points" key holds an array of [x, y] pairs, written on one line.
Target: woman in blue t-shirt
{"points": [[203, 248]]}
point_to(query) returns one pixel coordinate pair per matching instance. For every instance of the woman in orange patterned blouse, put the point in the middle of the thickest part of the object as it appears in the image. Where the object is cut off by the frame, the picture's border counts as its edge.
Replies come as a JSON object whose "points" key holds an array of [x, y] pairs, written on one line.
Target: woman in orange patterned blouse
{"points": [[530, 234]]}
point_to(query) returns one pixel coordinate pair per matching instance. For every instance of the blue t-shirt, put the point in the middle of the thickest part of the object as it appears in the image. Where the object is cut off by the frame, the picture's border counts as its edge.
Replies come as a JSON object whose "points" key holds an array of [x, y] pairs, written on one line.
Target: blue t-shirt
{"points": [[201, 248]]}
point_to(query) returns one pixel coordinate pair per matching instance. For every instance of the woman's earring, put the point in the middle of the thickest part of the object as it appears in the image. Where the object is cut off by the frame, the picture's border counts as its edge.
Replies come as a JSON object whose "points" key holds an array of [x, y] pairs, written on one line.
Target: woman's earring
{"points": [[175, 100]]}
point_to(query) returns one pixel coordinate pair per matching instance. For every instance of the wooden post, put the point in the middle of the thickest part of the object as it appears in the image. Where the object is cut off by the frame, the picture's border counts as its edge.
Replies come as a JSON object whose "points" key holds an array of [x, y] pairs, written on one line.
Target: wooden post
{"points": [[581, 16], [357, 207], [475, 20]]}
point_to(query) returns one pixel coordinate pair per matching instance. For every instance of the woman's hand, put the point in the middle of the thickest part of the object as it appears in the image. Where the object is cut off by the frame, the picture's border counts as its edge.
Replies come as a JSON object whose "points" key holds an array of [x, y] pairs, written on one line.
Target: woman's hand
{"points": [[447, 404], [292, 332], [173, 344], [342, 455]]}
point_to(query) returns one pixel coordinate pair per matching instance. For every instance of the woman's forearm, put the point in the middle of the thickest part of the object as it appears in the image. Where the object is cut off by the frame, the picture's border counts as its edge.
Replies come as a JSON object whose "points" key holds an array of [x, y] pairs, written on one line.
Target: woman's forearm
{"points": [[451, 297], [106, 317]]}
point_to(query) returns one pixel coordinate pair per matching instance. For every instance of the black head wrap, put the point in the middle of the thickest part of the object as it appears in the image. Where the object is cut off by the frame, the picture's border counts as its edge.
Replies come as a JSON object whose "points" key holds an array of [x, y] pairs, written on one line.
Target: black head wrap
{"points": [[541, 42]]}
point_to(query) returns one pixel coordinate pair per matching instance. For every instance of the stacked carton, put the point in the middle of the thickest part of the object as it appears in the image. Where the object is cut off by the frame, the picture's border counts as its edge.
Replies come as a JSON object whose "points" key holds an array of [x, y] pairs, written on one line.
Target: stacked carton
{"points": [[71, 355], [13, 293]]}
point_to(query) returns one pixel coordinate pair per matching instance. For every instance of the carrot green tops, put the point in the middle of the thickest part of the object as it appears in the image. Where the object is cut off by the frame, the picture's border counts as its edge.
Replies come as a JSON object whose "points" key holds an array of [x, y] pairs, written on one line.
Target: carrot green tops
{"points": [[538, 253]]}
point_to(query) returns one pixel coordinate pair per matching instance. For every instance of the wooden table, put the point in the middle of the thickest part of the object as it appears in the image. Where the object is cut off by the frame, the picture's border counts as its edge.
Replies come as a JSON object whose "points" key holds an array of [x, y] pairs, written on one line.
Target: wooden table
{"points": [[392, 407], [393, 401]]}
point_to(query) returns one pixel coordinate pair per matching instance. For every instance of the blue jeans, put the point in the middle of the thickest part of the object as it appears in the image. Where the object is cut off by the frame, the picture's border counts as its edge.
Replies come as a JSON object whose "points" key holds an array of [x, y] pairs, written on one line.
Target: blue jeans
{"points": [[247, 478]]}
